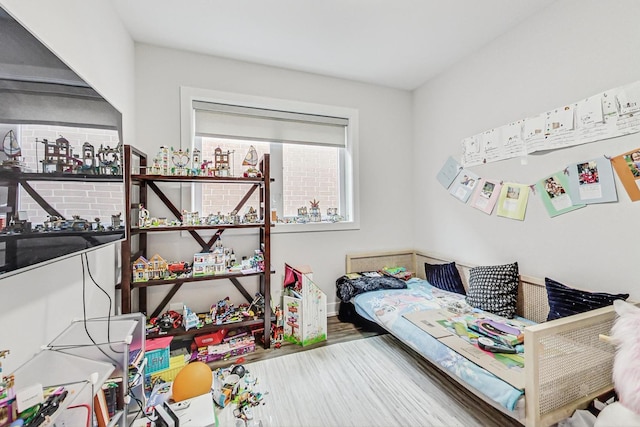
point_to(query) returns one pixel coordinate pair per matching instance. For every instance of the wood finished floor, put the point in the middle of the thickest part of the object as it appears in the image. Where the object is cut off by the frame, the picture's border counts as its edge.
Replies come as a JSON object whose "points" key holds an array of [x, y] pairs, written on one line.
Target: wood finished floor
{"points": [[338, 332]]}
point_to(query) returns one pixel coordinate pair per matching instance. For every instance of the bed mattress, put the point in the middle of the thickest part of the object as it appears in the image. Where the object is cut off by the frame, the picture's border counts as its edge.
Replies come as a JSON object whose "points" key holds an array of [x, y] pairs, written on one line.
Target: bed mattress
{"points": [[387, 307]]}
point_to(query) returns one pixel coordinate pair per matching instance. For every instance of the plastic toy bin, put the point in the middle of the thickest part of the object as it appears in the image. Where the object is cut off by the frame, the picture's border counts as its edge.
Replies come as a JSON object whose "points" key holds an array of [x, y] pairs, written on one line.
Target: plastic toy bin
{"points": [[176, 363], [157, 354]]}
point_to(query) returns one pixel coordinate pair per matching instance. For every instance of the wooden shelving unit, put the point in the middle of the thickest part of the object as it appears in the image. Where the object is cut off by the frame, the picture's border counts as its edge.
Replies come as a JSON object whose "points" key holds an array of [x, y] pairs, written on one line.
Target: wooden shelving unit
{"points": [[135, 160]]}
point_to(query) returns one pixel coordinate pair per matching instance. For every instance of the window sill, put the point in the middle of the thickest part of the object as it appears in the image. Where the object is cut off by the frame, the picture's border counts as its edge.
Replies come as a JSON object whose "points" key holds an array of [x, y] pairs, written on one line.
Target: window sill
{"points": [[281, 228], [310, 227]]}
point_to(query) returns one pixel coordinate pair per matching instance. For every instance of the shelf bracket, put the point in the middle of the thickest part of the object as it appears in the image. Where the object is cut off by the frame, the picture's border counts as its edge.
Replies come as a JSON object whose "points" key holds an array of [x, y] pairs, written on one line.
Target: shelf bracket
{"points": [[174, 289], [175, 211], [241, 289], [42, 202]]}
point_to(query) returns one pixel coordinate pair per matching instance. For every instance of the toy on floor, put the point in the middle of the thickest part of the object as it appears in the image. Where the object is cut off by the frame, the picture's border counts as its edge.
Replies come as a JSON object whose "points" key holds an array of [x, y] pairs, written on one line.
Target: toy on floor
{"points": [[192, 380], [625, 334]]}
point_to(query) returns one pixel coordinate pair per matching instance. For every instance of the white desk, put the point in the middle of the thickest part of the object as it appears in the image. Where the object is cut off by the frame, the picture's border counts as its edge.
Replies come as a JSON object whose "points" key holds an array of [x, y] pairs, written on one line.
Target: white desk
{"points": [[199, 413]]}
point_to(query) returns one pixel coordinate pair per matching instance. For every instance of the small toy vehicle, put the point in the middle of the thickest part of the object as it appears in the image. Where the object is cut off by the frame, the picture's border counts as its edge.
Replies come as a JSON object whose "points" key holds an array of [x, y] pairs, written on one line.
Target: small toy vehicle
{"points": [[179, 267], [168, 320]]}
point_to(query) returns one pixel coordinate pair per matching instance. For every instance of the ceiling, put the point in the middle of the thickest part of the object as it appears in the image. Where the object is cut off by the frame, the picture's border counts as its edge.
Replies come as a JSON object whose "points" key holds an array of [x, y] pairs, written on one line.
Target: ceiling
{"points": [[395, 43]]}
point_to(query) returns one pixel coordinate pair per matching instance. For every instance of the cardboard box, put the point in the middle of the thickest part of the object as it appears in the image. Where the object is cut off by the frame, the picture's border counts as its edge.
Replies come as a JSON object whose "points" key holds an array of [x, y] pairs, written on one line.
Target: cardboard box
{"points": [[226, 350], [210, 339], [304, 307]]}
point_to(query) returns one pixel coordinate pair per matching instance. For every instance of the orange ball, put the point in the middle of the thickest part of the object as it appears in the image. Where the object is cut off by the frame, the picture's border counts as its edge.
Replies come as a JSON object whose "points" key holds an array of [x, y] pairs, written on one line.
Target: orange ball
{"points": [[193, 380]]}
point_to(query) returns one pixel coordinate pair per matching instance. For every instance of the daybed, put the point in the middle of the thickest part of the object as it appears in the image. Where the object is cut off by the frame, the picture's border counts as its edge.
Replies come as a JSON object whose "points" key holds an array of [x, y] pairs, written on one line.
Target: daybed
{"points": [[566, 365]]}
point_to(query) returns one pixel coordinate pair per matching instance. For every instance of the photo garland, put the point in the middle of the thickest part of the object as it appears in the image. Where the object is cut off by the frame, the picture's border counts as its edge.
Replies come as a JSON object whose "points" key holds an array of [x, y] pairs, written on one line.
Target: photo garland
{"points": [[578, 185]]}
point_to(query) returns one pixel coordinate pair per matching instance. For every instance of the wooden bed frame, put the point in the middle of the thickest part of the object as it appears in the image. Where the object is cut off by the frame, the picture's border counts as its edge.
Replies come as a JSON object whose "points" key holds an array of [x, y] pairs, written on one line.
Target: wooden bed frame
{"points": [[560, 375]]}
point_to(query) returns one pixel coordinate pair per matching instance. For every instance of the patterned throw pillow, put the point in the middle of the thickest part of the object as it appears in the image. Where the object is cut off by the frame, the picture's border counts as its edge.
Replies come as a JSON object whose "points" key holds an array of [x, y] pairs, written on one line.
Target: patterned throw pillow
{"points": [[445, 277], [565, 301], [494, 289]]}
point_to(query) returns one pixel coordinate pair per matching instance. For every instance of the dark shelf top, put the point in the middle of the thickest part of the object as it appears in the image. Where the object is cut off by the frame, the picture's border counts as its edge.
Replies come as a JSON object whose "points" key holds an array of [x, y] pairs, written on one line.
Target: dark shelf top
{"points": [[59, 234], [177, 178], [138, 230], [210, 328], [15, 175], [190, 279]]}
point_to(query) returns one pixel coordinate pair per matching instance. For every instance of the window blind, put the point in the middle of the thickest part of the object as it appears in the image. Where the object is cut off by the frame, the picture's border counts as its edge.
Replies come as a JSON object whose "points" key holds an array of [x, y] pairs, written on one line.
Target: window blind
{"points": [[51, 104], [239, 122]]}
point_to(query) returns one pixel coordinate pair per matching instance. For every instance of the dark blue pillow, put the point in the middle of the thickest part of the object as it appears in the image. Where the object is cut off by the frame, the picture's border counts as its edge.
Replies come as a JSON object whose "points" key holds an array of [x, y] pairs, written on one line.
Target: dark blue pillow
{"points": [[565, 301], [445, 277]]}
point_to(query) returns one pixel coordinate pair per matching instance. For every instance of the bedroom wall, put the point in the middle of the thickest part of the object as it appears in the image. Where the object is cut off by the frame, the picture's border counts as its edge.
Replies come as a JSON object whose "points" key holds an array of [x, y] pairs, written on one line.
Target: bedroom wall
{"points": [[38, 304], [572, 50], [385, 145]]}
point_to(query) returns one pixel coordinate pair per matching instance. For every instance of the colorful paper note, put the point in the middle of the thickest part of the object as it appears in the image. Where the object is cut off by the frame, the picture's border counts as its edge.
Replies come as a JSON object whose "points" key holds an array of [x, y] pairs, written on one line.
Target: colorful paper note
{"points": [[448, 172], [486, 195], [464, 184], [591, 181], [554, 192], [627, 166], [512, 202]]}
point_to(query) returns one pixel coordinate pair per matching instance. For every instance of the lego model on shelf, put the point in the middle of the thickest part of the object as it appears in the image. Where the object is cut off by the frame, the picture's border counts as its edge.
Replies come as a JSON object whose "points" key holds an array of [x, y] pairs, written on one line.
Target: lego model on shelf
{"points": [[143, 268]]}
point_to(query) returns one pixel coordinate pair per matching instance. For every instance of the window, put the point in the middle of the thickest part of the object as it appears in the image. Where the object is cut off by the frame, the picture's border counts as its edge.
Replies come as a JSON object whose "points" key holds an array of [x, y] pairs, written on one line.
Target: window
{"points": [[312, 151]]}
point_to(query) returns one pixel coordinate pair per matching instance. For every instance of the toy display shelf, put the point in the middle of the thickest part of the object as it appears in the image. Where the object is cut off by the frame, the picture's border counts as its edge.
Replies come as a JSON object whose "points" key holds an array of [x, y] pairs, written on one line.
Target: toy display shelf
{"points": [[17, 175], [178, 282], [156, 229], [211, 328], [140, 187], [196, 178]]}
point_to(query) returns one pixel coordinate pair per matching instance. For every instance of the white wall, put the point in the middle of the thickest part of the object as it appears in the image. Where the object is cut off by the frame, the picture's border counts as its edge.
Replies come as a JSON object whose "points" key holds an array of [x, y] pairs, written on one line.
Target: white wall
{"points": [[38, 304], [385, 150], [572, 50]]}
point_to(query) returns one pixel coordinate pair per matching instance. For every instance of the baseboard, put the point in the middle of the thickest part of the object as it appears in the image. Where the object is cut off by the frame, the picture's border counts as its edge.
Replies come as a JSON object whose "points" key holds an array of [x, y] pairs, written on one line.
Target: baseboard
{"points": [[332, 308]]}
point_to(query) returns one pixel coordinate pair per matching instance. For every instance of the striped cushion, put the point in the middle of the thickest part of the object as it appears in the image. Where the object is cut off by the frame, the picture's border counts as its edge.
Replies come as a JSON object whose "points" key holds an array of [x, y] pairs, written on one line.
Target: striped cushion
{"points": [[565, 301], [445, 277]]}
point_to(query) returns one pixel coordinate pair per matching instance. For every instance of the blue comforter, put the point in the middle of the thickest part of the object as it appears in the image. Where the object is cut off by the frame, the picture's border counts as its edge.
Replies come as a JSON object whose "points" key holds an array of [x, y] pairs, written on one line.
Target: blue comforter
{"points": [[387, 307]]}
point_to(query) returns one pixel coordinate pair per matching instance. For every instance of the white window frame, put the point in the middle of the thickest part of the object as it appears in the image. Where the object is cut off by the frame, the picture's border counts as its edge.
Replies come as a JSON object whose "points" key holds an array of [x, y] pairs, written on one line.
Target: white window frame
{"points": [[351, 171]]}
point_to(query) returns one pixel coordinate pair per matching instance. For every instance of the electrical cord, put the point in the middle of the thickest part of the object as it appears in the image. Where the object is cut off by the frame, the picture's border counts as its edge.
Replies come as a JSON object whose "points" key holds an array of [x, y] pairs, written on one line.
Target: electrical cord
{"points": [[84, 314], [110, 304], [141, 408], [129, 388]]}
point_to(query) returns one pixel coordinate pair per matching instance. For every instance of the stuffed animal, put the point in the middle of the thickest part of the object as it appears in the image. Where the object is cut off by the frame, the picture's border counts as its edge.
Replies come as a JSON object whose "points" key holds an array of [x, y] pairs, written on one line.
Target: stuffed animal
{"points": [[625, 334]]}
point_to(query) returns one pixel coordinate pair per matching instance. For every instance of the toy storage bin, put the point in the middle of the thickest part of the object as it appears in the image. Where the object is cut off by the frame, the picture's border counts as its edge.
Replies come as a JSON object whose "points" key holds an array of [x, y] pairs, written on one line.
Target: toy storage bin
{"points": [[157, 354], [157, 360], [304, 307], [176, 363]]}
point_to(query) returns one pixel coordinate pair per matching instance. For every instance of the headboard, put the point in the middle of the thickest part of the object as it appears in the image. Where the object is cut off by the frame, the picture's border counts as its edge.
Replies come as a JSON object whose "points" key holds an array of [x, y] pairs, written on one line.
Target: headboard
{"points": [[532, 295]]}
